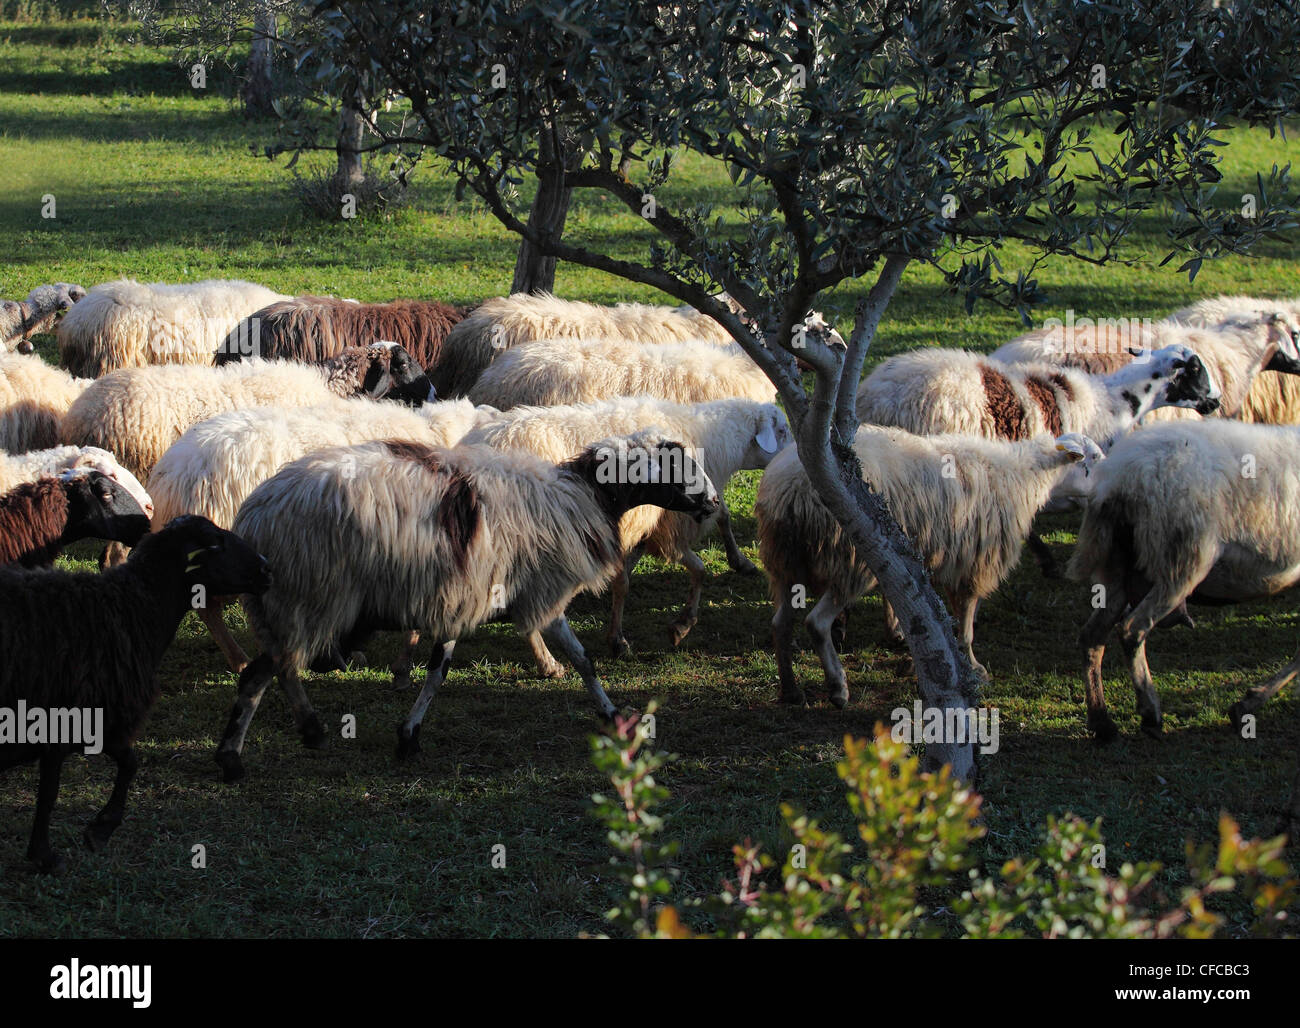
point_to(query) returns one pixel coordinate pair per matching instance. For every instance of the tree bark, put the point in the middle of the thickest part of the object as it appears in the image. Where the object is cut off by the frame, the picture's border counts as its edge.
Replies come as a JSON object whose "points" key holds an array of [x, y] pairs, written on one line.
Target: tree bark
{"points": [[352, 132], [824, 436], [534, 271], [258, 91], [942, 673]]}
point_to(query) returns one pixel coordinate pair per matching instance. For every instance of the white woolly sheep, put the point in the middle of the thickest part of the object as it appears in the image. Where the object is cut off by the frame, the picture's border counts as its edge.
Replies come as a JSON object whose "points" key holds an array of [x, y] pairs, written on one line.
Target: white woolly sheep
{"points": [[396, 534], [967, 504], [28, 467], [34, 397], [1274, 397], [129, 324], [20, 319], [137, 413], [936, 391], [504, 322], [724, 436], [1201, 510], [1235, 351], [550, 372], [217, 463]]}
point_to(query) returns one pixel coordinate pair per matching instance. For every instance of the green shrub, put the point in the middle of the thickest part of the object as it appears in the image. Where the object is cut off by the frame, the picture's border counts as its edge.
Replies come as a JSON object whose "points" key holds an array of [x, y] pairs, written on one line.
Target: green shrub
{"points": [[915, 872]]}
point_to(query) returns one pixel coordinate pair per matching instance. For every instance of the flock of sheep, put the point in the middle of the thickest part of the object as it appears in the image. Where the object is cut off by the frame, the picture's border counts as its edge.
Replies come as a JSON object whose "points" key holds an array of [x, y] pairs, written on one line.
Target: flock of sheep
{"points": [[343, 468]]}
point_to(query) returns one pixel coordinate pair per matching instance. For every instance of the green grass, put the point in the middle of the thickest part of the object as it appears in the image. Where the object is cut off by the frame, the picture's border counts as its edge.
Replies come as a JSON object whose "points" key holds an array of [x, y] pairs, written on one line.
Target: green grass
{"points": [[156, 182]]}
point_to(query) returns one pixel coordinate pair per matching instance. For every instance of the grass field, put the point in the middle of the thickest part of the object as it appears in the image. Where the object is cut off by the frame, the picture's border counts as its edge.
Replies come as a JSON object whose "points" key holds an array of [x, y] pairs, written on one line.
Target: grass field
{"points": [[155, 181]]}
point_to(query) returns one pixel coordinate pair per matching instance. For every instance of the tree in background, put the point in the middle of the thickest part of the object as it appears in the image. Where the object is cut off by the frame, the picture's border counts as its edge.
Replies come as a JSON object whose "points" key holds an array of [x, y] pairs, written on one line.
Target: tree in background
{"points": [[862, 138]]}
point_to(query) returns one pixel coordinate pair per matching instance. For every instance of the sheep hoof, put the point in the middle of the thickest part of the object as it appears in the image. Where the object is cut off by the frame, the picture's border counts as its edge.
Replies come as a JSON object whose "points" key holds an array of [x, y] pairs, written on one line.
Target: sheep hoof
{"points": [[1152, 729], [1103, 730], [792, 695], [232, 768], [97, 835], [555, 670], [50, 863], [620, 647], [1237, 713], [357, 661], [839, 698], [313, 735], [401, 679], [744, 566], [680, 630], [407, 745]]}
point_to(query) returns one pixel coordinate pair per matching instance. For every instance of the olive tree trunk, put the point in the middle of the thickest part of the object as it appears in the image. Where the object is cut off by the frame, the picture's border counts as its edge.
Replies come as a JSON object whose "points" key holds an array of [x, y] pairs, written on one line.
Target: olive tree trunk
{"points": [[534, 271], [352, 132], [942, 672], [258, 91]]}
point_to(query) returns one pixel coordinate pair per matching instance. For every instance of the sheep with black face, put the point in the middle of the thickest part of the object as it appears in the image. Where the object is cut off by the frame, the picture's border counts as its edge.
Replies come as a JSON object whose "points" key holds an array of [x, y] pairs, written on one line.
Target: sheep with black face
{"points": [[398, 535], [93, 643]]}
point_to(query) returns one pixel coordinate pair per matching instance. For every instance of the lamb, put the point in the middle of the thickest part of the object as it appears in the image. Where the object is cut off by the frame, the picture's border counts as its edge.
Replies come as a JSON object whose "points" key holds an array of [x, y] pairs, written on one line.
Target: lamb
{"points": [[1202, 510], [314, 328], [504, 322], [724, 436], [38, 519], [137, 413], [551, 372], [128, 324], [21, 319], [214, 466], [28, 467], [33, 399], [967, 503], [441, 540], [120, 623], [1235, 351]]}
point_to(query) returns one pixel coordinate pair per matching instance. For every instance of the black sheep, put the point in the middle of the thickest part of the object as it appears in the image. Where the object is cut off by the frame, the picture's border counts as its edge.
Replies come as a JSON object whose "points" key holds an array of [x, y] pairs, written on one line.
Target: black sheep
{"points": [[94, 642], [37, 519]]}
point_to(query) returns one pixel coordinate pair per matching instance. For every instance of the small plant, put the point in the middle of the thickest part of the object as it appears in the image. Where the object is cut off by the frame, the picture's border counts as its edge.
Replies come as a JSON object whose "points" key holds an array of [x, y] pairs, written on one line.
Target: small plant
{"points": [[919, 831], [324, 195]]}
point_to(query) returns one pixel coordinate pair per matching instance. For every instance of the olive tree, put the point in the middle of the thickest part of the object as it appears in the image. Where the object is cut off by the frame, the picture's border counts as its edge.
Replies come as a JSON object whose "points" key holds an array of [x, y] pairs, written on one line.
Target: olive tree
{"points": [[863, 138]]}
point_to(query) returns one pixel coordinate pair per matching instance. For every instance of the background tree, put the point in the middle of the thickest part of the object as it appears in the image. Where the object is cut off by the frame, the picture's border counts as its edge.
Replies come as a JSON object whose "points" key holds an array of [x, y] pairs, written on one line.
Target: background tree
{"points": [[862, 138]]}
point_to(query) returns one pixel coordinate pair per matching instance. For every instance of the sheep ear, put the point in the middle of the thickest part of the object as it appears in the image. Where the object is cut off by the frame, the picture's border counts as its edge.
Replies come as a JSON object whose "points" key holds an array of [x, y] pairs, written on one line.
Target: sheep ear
{"points": [[192, 558], [1070, 448], [766, 438]]}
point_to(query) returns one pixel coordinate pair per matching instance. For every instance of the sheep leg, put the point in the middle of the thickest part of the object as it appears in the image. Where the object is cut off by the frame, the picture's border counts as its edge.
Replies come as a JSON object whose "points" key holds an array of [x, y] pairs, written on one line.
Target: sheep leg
{"points": [[408, 732], [253, 681], [618, 590], [783, 643], [690, 614], [106, 821], [735, 559], [964, 606], [1256, 697], [1148, 703], [1042, 554], [235, 656], [1092, 640], [546, 664], [47, 793], [304, 716], [558, 633], [819, 623], [401, 667]]}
